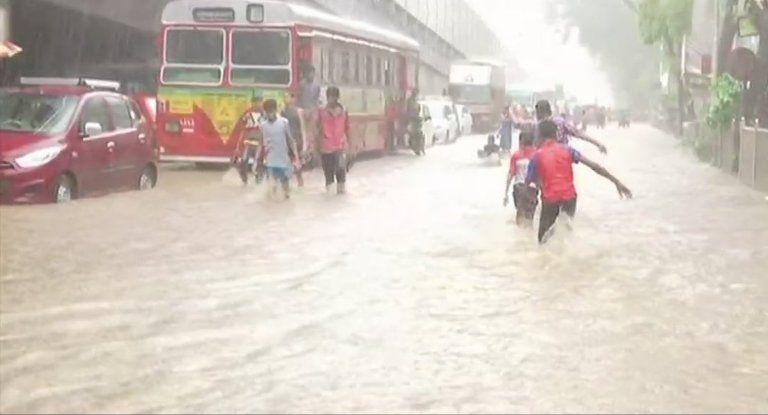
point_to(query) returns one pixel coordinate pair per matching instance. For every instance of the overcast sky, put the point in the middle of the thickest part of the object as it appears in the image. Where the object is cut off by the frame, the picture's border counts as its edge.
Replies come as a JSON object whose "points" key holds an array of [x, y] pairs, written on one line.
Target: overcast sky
{"points": [[539, 49]]}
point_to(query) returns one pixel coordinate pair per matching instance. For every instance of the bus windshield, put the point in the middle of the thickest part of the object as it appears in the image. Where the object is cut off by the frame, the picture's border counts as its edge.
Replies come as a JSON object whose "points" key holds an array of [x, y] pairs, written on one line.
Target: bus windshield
{"points": [[476, 94], [261, 57], [194, 56]]}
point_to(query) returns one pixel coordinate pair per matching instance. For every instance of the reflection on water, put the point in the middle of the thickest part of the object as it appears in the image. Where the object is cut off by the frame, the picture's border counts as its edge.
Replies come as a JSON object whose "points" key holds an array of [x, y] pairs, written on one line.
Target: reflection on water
{"points": [[413, 293]]}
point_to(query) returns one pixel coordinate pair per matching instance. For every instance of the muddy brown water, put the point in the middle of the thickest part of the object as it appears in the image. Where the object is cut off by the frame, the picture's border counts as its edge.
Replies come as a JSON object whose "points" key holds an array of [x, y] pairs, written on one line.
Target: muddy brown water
{"points": [[412, 293]]}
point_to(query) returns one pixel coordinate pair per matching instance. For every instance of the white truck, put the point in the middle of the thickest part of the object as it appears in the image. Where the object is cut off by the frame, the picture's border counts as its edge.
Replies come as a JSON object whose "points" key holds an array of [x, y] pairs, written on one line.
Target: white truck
{"points": [[481, 87]]}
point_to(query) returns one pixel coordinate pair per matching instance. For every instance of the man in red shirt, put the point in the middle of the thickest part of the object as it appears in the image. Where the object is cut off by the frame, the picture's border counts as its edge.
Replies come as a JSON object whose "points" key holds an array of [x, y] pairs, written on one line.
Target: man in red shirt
{"points": [[333, 126], [552, 168]]}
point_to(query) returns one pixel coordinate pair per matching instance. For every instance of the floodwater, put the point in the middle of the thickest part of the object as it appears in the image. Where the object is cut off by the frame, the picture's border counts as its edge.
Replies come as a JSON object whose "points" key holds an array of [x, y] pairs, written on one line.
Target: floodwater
{"points": [[412, 293]]}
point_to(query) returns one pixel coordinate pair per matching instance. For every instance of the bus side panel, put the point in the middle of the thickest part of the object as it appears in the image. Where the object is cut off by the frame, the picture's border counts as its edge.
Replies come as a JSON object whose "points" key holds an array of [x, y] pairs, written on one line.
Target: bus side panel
{"points": [[200, 123], [349, 67]]}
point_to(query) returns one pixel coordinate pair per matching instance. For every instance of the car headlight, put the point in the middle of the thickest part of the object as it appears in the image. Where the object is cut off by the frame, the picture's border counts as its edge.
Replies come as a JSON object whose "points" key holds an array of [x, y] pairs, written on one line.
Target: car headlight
{"points": [[39, 157]]}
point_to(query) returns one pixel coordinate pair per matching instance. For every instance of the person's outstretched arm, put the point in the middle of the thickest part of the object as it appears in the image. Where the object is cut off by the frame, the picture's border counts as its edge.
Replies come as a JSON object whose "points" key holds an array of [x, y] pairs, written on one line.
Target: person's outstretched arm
{"points": [[574, 131], [624, 191], [582, 135]]}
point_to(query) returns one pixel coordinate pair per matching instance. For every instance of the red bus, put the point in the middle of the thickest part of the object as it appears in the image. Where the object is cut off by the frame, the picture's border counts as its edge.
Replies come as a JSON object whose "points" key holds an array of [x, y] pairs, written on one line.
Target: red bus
{"points": [[219, 54]]}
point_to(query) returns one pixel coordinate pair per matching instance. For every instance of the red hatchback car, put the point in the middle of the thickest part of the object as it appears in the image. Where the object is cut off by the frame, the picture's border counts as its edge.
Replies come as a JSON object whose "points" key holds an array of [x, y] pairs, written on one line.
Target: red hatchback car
{"points": [[65, 138]]}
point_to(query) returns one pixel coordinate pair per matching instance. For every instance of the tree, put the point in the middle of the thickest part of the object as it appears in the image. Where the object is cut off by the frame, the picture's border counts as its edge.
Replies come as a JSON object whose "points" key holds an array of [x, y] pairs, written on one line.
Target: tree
{"points": [[666, 23], [608, 29]]}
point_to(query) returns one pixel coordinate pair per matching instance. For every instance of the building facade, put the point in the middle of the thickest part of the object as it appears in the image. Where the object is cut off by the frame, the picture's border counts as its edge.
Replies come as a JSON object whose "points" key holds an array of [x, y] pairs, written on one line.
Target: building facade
{"points": [[117, 39]]}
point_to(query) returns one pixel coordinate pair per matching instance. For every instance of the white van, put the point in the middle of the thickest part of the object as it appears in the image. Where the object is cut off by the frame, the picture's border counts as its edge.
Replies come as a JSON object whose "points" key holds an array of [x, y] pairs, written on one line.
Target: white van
{"points": [[440, 122]]}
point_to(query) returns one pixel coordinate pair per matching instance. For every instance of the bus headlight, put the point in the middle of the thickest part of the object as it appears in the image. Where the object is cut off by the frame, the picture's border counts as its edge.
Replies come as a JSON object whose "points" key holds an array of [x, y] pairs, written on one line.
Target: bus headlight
{"points": [[39, 157]]}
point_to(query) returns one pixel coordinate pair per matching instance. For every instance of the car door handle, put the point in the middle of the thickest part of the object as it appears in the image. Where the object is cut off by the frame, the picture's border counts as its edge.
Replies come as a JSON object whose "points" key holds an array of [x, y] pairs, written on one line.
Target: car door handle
{"points": [[111, 146]]}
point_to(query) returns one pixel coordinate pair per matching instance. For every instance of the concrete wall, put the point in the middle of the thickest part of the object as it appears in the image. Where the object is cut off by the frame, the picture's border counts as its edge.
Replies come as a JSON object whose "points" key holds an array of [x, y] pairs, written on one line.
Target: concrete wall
{"points": [[457, 23], [753, 158]]}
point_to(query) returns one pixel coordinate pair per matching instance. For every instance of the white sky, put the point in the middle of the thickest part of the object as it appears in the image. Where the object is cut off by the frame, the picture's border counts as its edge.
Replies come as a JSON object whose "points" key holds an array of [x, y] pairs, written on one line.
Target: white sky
{"points": [[539, 49]]}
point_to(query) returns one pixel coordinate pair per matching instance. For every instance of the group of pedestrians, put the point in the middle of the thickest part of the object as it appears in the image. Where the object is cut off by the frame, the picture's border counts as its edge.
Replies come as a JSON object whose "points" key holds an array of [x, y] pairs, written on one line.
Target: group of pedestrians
{"points": [[543, 167], [276, 146]]}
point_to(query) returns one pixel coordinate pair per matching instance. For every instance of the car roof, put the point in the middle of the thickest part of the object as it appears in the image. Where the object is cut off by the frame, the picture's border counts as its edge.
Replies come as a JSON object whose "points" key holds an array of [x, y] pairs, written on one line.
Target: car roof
{"points": [[435, 102], [61, 90], [51, 90]]}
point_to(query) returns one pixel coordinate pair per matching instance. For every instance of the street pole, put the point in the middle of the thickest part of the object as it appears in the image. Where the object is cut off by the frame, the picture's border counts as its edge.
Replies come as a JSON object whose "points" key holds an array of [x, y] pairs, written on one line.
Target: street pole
{"points": [[716, 40]]}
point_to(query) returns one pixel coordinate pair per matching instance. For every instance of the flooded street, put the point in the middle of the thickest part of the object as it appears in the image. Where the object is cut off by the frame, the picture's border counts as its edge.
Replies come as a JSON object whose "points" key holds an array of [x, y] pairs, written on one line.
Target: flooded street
{"points": [[414, 292]]}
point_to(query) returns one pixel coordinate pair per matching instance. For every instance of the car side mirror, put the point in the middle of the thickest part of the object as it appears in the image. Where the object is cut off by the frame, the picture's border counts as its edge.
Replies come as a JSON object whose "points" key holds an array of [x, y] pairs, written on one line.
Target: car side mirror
{"points": [[91, 129]]}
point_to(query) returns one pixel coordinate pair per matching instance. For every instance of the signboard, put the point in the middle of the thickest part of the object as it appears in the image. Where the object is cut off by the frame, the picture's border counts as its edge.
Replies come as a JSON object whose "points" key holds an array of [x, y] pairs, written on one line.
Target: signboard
{"points": [[214, 15]]}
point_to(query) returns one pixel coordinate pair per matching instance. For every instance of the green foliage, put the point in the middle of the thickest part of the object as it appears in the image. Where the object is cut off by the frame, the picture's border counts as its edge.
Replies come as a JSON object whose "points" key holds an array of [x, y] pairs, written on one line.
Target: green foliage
{"points": [[664, 21], [609, 30], [726, 94]]}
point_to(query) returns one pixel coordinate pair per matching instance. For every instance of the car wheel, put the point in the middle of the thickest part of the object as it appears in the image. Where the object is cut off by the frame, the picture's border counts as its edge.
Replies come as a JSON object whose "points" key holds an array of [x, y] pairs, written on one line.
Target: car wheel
{"points": [[148, 178], [64, 190]]}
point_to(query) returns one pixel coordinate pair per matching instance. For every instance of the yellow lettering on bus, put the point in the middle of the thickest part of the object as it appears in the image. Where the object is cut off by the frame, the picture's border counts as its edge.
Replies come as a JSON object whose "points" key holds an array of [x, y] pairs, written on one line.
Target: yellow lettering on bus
{"points": [[181, 105]]}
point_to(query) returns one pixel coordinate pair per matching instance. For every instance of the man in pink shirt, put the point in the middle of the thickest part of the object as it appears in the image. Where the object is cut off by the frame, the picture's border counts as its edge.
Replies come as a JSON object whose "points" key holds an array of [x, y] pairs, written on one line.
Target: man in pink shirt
{"points": [[333, 127]]}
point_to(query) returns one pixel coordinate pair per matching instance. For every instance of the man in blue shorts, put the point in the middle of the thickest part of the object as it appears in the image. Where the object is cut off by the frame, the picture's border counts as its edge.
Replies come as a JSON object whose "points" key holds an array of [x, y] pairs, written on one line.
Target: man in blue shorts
{"points": [[277, 145]]}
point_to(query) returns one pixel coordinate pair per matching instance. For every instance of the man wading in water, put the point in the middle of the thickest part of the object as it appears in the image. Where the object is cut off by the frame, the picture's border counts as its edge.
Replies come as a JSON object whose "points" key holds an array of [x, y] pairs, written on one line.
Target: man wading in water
{"points": [[333, 126], [277, 148], [551, 167]]}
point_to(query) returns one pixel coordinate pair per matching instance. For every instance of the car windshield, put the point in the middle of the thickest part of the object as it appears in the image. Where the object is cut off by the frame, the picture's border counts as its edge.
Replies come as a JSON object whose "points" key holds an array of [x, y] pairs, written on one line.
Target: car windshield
{"points": [[40, 114], [437, 110]]}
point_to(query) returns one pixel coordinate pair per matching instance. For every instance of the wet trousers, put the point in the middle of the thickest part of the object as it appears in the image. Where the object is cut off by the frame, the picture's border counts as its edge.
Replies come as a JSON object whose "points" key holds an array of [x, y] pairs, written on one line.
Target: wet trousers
{"points": [[334, 171], [550, 212]]}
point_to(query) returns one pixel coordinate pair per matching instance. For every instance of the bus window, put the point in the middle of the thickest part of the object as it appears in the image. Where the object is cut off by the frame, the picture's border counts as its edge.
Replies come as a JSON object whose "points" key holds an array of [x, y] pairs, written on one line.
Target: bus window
{"points": [[331, 78], [323, 64], [378, 69], [388, 72], [357, 68], [345, 68], [368, 70], [194, 56], [261, 57]]}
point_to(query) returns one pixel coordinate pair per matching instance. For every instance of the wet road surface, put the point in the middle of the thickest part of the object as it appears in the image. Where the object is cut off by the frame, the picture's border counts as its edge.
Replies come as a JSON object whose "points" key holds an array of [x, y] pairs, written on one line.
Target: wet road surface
{"points": [[412, 293]]}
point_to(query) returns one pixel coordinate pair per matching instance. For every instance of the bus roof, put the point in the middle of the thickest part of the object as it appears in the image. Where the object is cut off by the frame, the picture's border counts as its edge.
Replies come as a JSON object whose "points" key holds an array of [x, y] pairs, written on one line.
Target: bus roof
{"points": [[280, 13], [480, 62]]}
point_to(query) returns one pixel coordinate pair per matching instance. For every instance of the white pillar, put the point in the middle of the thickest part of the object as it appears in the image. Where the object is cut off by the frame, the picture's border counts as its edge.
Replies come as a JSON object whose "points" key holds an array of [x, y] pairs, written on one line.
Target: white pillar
{"points": [[5, 20]]}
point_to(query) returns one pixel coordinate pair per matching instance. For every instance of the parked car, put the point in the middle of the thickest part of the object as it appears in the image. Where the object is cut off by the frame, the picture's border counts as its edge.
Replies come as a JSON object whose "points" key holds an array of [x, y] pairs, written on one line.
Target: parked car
{"points": [[444, 121], [465, 119], [62, 139]]}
